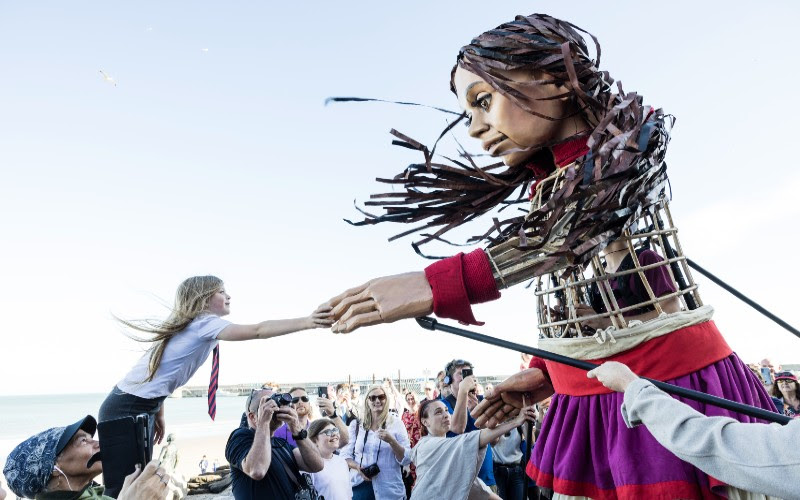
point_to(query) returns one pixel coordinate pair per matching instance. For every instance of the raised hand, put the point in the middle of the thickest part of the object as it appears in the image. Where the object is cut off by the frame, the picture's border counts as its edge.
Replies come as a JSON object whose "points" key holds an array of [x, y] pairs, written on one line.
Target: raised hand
{"points": [[321, 317], [382, 300], [509, 396]]}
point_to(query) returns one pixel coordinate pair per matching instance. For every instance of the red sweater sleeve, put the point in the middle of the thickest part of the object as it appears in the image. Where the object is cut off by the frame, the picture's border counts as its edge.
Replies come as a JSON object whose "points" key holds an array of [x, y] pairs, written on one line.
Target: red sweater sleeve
{"points": [[537, 362], [459, 281]]}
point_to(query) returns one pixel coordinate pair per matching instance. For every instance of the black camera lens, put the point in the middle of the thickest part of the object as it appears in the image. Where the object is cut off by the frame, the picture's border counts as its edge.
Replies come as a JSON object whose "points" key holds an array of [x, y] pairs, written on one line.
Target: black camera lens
{"points": [[282, 398]]}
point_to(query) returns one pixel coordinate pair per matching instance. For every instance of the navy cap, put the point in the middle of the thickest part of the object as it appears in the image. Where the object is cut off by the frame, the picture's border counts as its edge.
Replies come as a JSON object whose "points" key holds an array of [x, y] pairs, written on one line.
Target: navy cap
{"points": [[29, 466]]}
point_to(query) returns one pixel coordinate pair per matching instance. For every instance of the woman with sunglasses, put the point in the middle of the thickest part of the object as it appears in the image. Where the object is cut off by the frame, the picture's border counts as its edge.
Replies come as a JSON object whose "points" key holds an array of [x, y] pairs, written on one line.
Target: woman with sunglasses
{"points": [[785, 394], [379, 439], [333, 481], [305, 414]]}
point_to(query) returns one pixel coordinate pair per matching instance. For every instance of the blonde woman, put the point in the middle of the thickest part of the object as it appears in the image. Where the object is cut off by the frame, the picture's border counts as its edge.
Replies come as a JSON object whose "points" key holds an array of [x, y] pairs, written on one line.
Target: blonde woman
{"points": [[377, 439], [179, 345]]}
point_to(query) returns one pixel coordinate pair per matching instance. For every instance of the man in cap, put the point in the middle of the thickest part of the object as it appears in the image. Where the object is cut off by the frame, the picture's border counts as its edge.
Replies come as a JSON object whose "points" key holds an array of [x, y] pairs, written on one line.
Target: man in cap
{"points": [[57, 464]]}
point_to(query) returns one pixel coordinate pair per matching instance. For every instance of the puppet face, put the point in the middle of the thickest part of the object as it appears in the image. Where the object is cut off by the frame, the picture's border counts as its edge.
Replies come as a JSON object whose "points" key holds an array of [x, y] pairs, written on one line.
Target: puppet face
{"points": [[502, 126]]}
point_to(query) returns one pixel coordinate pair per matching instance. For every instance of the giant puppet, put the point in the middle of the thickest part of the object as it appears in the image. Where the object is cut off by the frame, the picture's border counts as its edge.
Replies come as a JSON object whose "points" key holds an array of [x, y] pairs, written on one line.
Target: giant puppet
{"points": [[598, 242]]}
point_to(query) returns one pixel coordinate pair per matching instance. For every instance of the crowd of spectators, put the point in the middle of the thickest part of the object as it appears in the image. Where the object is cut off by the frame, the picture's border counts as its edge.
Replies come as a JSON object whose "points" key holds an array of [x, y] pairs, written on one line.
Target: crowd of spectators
{"points": [[364, 446], [393, 442]]}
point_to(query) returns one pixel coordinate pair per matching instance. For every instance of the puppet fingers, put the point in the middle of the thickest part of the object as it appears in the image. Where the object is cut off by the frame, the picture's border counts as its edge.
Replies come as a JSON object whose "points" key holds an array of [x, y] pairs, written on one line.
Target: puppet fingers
{"points": [[484, 412], [364, 307], [352, 291], [347, 302], [372, 318]]}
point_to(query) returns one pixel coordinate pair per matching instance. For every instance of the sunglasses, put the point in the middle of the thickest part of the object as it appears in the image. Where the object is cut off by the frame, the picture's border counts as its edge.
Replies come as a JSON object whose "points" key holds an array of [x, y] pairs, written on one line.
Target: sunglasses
{"points": [[330, 432], [380, 397], [304, 399]]}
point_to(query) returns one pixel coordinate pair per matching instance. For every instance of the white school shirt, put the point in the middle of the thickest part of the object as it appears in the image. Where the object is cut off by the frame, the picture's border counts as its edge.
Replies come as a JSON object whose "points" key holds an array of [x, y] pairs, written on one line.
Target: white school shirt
{"points": [[184, 354], [333, 481]]}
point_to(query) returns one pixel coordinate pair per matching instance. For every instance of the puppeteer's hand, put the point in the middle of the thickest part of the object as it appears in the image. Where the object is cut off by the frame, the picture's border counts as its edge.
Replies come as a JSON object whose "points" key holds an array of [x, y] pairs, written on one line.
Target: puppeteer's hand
{"points": [[382, 300], [614, 375], [509, 396]]}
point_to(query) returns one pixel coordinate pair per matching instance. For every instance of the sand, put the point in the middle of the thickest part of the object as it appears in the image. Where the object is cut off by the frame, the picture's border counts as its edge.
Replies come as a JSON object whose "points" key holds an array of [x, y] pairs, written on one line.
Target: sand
{"points": [[191, 450]]}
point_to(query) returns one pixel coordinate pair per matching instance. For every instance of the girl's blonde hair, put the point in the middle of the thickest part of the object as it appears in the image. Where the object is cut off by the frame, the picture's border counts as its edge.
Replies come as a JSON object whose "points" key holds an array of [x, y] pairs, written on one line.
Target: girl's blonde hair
{"points": [[384, 416], [191, 300]]}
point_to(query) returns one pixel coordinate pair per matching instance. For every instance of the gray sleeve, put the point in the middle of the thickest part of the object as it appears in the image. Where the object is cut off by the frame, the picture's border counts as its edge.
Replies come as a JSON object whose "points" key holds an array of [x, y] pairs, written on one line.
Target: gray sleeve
{"points": [[762, 458]]}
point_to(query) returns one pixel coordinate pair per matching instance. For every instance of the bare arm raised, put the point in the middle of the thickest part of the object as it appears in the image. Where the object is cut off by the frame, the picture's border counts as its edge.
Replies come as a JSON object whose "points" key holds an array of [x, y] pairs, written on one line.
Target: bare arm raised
{"points": [[320, 318]]}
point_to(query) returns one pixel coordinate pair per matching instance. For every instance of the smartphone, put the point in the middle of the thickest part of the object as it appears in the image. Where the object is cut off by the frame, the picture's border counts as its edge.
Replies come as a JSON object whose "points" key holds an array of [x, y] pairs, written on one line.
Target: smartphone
{"points": [[322, 392]]}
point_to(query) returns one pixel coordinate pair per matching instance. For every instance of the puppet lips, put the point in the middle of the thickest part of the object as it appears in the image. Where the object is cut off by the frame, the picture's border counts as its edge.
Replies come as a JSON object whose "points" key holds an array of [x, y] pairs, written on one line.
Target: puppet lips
{"points": [[491, 145]]}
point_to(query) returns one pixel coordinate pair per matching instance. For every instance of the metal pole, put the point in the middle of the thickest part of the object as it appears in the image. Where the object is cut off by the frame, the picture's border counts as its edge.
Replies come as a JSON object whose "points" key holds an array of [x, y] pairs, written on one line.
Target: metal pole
{"points": [[741, 297], [432, 324]]}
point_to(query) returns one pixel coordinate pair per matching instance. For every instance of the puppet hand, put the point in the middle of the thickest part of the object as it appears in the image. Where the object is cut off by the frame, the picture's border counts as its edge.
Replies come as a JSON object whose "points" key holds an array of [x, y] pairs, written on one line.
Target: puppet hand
{"points": [[521, 389], [382, 300]]}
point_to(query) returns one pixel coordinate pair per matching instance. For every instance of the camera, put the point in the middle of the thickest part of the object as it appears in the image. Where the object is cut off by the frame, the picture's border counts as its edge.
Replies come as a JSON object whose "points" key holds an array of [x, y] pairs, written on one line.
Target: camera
{"points": [[371, 470], [282, 399], [466, 372]]}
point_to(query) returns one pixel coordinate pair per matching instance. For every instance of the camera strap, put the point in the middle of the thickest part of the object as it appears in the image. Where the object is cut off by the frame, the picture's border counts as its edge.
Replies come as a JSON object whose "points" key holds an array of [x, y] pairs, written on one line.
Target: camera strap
{"points": [[364, 444]]}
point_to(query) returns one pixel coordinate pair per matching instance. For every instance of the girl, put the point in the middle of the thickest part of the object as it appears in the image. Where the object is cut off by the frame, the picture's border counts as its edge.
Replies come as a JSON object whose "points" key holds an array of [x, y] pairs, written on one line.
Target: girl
{"points": [[333, 481], [180, 344]]}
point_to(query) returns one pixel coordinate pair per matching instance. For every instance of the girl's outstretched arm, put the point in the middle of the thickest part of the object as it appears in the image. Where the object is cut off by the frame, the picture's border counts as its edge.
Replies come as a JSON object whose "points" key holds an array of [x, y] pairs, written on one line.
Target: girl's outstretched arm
{"points": [[321, 318]]}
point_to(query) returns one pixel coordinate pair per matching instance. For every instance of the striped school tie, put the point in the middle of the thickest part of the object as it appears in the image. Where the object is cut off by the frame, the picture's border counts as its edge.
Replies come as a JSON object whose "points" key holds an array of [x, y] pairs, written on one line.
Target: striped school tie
{"points": [[212, 385]]}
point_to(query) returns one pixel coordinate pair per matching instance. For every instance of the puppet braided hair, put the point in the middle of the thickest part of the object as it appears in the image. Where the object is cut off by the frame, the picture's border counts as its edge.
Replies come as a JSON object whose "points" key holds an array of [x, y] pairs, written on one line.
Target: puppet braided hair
{"points": [[623, 171]]}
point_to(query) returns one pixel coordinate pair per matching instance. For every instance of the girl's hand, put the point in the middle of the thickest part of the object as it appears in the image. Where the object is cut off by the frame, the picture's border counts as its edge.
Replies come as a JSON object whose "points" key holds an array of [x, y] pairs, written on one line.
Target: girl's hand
{"points": [[159, 428], [382, 300], [321, 317]]}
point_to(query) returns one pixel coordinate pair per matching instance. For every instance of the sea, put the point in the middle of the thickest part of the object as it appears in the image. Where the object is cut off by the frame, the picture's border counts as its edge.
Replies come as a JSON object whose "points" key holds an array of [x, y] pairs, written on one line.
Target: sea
{"points": [[24, 416]]}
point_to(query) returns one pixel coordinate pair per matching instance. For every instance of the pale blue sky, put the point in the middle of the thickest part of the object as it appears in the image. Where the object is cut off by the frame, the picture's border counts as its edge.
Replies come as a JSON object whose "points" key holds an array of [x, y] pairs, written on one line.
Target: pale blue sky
{"points": [[226, 161]]}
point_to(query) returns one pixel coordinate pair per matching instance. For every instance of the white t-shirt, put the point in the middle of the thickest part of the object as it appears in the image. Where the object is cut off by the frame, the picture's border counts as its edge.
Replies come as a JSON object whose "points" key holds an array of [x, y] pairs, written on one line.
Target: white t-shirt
{"points": [[184, 354], [333, 481]]}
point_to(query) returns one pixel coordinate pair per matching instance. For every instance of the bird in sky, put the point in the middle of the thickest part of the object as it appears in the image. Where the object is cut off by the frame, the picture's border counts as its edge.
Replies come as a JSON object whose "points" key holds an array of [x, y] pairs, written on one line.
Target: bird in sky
{"points": [[108, 78]]}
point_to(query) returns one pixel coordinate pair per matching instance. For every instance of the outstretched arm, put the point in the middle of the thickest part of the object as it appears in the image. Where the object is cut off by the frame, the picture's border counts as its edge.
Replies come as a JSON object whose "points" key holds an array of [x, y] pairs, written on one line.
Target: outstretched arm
{"points": [[752, 456], [527, 414], [508, 397], [275, 328]]}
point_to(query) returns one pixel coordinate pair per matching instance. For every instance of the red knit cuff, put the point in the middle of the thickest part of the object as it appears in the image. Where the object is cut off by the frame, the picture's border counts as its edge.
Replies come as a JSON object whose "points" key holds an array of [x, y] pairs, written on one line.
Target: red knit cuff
{"points": [[450, 298], [478, 278], [537, 362]]}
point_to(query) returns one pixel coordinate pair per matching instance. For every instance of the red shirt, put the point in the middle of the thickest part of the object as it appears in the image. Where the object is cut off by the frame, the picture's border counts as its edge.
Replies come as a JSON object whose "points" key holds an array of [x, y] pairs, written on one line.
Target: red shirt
{"points": [[465, 279]]}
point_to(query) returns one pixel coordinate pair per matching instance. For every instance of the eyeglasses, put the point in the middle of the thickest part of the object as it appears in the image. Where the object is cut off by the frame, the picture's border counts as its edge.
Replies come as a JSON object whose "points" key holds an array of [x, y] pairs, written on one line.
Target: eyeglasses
{"points": [[304, 399], [379, 397], [333, 431]]}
